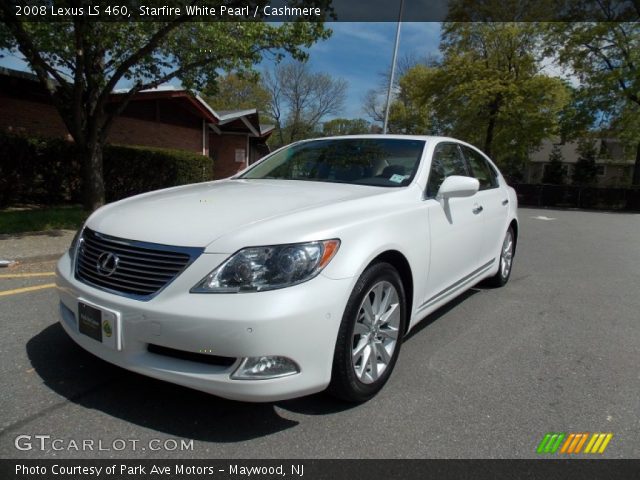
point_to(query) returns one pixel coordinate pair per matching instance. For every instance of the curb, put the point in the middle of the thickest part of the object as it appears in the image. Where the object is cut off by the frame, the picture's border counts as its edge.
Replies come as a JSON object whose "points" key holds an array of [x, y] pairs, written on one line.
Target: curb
{"points": [[42, 233], [33, 259], [7, 263], [39, 258]]}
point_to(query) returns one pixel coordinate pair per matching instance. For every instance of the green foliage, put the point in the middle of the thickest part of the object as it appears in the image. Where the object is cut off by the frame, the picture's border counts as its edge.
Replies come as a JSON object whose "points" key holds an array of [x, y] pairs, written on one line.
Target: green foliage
{"points": [[132, 170], [40, 219], [407, 114], [36, 170], [555, 172], [236, 92], [578, 117], [80, 62], [585, 171], [46, 171], [189, 50], [488, 90], [605, 56], [345, 126]]}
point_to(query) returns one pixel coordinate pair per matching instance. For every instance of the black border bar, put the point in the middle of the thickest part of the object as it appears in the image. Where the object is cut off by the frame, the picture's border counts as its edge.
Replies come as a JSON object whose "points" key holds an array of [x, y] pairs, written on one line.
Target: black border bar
{"points": [[327, 10], [546, 469]]}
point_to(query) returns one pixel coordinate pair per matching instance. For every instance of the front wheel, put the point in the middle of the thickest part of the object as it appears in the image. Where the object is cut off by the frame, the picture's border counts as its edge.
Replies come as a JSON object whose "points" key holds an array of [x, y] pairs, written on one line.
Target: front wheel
{"points": [[370, 334], [506, 260]]}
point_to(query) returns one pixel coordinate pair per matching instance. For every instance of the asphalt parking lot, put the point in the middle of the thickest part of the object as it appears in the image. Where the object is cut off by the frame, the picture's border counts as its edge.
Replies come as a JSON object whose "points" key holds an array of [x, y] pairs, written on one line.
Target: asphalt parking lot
{"points": [[556, 350]]}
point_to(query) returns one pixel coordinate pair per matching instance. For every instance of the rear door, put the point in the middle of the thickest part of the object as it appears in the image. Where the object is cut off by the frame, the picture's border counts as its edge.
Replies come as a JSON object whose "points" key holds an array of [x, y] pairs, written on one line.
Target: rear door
{"points": [[493, 201]]}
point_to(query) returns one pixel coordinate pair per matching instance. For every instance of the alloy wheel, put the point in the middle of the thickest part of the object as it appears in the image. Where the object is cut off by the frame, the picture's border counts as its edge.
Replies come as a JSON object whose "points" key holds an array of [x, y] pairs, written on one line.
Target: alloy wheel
{"points": [[507, 255], [375, 334]]}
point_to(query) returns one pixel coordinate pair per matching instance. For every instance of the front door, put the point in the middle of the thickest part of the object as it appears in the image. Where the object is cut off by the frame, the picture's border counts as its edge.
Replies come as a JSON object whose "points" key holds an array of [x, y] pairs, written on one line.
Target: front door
{"points": [[455, 227]]}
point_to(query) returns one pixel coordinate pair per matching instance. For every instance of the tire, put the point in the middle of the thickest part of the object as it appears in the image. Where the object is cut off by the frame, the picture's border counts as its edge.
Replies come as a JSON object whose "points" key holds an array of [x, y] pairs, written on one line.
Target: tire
{"points": [[507, 252], [356, 377]]}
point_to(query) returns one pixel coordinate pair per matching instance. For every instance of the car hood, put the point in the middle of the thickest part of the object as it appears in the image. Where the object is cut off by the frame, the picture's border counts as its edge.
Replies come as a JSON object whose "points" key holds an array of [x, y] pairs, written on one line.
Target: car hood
{"points": [[196, 215]]}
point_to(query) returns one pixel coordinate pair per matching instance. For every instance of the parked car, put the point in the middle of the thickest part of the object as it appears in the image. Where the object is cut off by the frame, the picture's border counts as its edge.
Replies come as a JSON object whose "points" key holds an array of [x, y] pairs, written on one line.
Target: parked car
{"points": [[301, 273]]}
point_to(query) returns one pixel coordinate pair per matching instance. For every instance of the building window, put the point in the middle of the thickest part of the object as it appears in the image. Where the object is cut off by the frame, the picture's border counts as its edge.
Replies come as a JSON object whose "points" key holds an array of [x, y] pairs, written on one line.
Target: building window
{"points": [[240, 156]]}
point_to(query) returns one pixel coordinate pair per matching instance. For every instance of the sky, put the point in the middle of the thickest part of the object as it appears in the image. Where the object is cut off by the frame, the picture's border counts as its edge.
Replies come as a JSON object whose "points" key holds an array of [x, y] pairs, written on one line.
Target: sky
{"points": [[356, 52], [361, 53]]}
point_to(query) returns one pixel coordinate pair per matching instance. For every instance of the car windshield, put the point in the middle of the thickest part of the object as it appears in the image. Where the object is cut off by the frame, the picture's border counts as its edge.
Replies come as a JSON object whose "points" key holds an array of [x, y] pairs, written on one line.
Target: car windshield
{"points": [[383, 162]]}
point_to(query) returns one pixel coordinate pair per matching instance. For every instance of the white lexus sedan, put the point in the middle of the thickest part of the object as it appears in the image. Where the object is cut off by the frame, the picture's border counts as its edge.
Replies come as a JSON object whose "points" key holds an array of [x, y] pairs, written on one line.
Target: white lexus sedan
{"points": [[301, 273]]}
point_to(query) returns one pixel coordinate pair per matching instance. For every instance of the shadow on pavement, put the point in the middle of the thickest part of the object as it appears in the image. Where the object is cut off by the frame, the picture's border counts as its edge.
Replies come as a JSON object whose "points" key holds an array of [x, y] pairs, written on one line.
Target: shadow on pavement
{"points": [[178, 411], [440, 312], [181, 412]]}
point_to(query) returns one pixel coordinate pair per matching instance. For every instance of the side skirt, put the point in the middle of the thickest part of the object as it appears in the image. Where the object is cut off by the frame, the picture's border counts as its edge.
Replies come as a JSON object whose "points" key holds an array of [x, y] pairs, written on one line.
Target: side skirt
{"points": [[456, 287]]}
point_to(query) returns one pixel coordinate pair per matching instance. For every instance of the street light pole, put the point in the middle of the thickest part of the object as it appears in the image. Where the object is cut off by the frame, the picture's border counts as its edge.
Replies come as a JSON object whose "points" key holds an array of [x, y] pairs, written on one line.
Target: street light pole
{"points": [[393, 70]]}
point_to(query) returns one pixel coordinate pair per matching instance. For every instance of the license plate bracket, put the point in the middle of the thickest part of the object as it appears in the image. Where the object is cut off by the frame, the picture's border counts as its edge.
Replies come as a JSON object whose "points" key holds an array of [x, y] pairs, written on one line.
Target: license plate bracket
{"points": [[100, 324]]}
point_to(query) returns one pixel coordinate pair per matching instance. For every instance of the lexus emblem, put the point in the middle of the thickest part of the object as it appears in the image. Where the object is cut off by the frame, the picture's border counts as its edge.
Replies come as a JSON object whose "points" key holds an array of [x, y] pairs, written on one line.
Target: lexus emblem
{"points": [[107, 263]]}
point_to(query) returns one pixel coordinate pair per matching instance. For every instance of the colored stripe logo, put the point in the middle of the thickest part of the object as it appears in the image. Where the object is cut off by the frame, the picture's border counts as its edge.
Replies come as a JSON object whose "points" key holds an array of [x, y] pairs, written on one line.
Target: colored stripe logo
{"points": [[573, 443]]}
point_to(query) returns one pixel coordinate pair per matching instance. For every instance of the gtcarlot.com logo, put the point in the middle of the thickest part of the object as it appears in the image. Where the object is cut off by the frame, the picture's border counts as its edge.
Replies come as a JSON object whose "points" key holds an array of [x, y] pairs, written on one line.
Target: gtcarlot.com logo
{"points": [[49, 443], [573, 443]]}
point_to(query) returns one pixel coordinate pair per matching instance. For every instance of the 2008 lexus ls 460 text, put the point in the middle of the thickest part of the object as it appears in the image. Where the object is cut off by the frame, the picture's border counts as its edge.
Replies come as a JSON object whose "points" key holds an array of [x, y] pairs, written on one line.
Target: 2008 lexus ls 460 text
{"points": [[301, 273]]}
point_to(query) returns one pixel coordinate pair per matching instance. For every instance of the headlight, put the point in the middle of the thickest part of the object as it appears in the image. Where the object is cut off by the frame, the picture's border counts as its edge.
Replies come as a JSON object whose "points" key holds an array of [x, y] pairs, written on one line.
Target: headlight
{"points": [[73, 248], [256, 269]]}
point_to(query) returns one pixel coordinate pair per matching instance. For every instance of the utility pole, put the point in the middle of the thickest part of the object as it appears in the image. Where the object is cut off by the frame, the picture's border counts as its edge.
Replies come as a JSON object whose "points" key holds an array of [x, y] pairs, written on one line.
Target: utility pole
{"points": [[393, 70]]}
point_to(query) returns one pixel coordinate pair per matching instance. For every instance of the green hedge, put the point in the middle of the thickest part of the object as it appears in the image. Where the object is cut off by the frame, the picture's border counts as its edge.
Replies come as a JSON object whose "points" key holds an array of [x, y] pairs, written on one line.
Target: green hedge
{"points": [[132, 170], [46, 171]]}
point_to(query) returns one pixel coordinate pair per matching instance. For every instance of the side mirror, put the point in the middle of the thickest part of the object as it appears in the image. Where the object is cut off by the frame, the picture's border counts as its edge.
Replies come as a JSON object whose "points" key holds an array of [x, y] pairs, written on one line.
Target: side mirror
{"points": [[458, 186]]}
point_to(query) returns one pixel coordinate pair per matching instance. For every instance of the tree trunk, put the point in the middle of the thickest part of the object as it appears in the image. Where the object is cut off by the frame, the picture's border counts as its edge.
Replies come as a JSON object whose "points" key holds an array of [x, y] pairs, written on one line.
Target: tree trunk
{"points": [[489, 136], [90, 156], [494, 108], [636, 168]]}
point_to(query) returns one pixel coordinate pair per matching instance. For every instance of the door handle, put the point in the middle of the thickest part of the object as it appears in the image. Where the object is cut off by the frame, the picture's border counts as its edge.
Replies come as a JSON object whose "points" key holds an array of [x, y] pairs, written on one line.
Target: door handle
{"points": [[505, 201], [477, 210]]}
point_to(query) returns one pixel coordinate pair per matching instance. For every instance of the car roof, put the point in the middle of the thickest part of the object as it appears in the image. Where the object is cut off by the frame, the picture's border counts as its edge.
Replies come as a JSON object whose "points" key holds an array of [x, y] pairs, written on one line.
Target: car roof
{"points": [[426, 138], [429, 138]]}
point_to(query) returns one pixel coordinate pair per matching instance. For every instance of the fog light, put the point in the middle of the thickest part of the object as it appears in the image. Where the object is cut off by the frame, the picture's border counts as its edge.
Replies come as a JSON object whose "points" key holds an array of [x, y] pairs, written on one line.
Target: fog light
{"points": [[262, 368]]}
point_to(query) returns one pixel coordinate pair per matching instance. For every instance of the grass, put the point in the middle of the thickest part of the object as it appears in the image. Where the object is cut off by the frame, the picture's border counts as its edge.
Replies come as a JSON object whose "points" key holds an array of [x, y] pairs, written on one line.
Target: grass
{"points": [[20, 220]]}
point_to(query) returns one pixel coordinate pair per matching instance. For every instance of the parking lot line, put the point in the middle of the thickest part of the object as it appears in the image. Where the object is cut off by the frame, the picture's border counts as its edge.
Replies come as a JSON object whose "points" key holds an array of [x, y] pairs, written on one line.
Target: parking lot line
{"points": [[15, 291], [27, 275]]}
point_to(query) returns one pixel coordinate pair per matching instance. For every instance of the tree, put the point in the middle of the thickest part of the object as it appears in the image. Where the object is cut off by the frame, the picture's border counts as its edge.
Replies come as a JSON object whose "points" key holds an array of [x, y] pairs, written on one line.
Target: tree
{"points": [[605, 56], [300, 99], [555, 171], [236, 92], [585, 171], [80, 62], [489, 90], [345, 126], [578, 117], [407, 114]]}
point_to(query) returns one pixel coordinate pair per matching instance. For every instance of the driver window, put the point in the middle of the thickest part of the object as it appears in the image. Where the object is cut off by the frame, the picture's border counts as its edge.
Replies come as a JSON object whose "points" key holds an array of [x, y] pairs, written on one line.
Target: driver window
{"points": [[447, 160]]}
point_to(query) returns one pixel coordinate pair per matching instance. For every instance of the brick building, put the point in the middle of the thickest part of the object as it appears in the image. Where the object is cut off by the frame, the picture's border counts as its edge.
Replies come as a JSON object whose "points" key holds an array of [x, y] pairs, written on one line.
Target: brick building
{"points": [[165, 117]]}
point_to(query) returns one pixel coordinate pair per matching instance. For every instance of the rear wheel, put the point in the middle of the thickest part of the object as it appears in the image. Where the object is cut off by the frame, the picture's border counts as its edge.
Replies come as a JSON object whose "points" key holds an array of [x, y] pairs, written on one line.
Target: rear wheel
{"points": [[370, 334], [506, 260]]}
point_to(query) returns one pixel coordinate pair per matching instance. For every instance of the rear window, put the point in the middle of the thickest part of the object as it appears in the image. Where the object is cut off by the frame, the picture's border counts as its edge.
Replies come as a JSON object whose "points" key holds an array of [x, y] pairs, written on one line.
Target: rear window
{"points": [[481, 169]]}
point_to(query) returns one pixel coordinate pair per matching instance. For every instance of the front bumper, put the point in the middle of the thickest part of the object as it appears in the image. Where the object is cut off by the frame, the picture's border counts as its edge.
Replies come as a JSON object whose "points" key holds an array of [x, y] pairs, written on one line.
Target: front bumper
{"points": [[299, 322]]}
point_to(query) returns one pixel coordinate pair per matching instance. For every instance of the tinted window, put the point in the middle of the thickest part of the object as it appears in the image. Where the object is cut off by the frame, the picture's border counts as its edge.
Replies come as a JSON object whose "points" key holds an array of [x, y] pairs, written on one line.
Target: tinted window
{"points": [[384, 162], [481, 169], [447, 161]]}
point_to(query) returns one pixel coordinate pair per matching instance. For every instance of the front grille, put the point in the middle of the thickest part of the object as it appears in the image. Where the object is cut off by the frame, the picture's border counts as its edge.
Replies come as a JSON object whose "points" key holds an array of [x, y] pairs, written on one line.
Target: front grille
{"points": [[128, 267]]}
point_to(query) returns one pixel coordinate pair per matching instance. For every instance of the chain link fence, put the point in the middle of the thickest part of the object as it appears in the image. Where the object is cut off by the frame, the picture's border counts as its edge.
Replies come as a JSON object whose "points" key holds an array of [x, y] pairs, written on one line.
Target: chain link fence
{"points": [[573, 196]]}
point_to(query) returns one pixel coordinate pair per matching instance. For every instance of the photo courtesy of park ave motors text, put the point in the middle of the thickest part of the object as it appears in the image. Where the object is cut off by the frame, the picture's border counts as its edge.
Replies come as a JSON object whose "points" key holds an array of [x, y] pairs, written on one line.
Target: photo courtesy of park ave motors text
{"points": [[319, 229]]}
